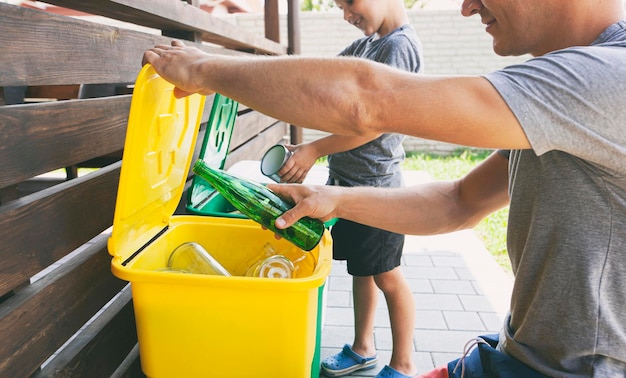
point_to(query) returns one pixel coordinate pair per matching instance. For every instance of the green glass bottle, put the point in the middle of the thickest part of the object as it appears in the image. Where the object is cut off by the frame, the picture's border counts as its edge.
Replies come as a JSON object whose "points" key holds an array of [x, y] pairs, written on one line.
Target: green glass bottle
{"points": [[260, 204]]}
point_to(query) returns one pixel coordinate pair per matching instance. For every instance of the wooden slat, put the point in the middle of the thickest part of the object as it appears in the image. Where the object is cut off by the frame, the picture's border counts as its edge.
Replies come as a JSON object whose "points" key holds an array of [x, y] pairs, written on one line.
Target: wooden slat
{"points": [[177, 15], [37, 320], [256, 147], [272, 20], [130, 367], [39, 229], [250, 124], [70, 51], [39, 138], [101, 346]]}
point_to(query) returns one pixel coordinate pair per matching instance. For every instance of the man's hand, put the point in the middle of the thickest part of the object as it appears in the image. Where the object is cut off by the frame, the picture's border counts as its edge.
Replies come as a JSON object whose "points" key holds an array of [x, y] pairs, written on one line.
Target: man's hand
{"points": [[180, 65], [313, 201]]}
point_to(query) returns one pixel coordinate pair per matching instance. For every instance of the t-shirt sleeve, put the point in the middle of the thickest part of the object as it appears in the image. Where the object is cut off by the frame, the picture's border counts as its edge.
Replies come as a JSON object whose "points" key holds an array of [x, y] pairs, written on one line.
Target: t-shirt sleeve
{"points": [[400, 52], [572, 101]]}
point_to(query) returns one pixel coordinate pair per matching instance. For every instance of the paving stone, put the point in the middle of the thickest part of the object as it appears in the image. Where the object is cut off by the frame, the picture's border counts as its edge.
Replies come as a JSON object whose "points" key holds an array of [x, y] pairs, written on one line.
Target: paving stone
{"points": [[417, 260], [437, 302], [464, 321], [453, 261], [341, 316], [430, 319], [337, 336], [420, 285], [440, 359], [429, 272], [453, 287], [493, 322], [442, 340], [476, 303]]}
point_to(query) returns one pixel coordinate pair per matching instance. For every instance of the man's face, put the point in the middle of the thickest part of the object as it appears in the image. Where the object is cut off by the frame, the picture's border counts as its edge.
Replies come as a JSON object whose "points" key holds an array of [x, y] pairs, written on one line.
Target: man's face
{"points": [[518, 27]]}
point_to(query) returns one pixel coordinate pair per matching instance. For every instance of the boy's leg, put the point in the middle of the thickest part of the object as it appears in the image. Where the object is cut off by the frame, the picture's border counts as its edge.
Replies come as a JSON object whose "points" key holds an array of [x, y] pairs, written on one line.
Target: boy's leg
{"points": [[365, 296], [401, 306]]}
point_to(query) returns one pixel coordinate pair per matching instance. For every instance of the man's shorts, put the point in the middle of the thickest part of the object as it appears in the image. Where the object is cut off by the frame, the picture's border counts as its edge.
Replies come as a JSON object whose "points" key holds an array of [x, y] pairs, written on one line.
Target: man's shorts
{"points": [[368, 250], [483, 361]]}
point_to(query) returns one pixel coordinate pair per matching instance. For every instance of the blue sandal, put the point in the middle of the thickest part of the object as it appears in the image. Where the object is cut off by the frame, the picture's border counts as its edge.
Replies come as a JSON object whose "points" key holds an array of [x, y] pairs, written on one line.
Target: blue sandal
{"points": [[346, 362], [389, 372]]}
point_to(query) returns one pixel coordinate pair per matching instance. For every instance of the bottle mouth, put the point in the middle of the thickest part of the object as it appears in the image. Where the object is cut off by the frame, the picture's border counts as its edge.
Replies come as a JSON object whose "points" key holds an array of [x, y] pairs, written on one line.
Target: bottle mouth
{"points": [[273, 160]]}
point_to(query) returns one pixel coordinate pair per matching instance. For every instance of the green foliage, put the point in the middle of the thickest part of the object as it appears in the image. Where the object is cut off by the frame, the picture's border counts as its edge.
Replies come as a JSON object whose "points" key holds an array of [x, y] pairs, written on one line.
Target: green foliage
{"points": [[317, 5], [325, 5]]}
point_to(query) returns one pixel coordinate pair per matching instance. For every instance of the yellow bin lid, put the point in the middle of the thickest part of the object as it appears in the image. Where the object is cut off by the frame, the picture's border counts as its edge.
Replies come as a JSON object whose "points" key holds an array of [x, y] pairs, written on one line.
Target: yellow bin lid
{"points": [[158, 149]]}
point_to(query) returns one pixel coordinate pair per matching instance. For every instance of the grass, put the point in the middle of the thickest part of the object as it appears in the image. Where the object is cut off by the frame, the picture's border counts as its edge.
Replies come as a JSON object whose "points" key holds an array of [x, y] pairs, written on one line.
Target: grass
{"points": [[491, 230]]}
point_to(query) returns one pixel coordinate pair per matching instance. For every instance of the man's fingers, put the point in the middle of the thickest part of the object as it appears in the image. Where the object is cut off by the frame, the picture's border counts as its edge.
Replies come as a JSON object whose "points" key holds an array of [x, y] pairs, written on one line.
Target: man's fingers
{"points": [[179, 93], [148, 56]]}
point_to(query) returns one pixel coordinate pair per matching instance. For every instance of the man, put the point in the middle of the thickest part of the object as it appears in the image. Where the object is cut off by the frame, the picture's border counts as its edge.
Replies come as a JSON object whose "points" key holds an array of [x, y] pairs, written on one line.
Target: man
{"points": [[558, 122]]}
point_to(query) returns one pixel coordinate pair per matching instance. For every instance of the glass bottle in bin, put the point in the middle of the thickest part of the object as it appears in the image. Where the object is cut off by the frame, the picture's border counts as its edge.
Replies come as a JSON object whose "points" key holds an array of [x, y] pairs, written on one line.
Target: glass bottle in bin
{"points": [[191, 257], [290, 262], [260, 204], [276, 266], [303, 262]]}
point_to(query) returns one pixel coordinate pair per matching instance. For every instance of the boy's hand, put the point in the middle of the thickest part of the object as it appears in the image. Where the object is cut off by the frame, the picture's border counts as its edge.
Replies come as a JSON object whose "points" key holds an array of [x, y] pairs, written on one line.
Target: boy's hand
{"points": [[299, 164]]}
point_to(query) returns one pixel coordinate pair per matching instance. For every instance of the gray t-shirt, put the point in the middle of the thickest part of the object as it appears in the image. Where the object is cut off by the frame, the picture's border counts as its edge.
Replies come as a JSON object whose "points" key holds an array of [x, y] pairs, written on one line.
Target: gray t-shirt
{"points": [[377, 163], [567, 217]]}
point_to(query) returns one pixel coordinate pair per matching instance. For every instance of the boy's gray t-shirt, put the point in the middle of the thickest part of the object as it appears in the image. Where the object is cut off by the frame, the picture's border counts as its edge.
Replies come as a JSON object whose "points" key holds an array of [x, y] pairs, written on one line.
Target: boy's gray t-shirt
{"points": [[567, 217], [377, 163]]}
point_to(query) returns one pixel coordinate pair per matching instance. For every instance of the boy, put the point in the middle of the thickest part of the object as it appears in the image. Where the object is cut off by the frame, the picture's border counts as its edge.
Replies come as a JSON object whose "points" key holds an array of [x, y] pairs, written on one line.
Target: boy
{"points": [[373, 255]]}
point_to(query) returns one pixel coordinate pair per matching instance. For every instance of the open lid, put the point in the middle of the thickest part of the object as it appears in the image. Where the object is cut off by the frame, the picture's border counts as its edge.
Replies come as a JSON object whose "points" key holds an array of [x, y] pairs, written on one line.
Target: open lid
{"points": [[214, 151], [158, 149]]}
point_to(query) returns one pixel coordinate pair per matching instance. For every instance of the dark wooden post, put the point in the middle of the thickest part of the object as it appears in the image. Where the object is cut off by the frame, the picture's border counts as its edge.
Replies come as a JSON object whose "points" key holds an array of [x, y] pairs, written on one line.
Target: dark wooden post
{"points": [[293, 33], [272, 20]]}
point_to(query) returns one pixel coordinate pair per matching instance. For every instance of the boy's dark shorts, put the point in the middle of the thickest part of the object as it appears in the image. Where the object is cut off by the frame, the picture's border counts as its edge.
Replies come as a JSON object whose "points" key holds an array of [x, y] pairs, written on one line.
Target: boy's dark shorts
{"points": [[368, 250]]}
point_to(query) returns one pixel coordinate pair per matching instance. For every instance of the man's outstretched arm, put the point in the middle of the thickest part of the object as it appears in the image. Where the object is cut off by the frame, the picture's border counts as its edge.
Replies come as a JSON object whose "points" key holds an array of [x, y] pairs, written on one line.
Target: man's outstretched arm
{"points": [[348, 96]]}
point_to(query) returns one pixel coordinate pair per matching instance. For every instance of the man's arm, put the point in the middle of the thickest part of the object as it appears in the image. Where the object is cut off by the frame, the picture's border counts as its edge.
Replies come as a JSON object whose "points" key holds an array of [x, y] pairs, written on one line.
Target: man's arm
{"points": [[348, 96], [426, 209]]}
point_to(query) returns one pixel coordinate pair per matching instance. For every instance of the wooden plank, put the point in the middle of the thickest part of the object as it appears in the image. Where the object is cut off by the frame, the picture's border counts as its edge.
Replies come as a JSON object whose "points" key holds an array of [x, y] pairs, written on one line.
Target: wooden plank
{"points": [[256, 147], [130, 367], [70, 51], [39, 138], [177, 15], [293, 27], [249, 125], [37, 320], [101, 346], [39, 229], [61, 92], [272, 20]]}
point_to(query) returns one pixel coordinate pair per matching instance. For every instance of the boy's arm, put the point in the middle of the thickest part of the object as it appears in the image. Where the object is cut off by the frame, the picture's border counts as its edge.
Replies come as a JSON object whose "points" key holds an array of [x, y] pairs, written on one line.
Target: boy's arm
{"points": [[305, 154]]}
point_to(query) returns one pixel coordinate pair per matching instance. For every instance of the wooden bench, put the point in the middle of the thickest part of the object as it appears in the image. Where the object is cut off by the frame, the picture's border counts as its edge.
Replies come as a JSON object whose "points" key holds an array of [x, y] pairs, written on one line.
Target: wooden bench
{"points": [[65, 87]]}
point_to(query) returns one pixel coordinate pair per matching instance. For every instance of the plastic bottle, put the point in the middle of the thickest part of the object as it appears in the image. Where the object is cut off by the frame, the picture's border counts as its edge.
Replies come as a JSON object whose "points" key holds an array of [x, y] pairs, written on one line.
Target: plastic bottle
{"points": [[193, 258], [261, 205]]}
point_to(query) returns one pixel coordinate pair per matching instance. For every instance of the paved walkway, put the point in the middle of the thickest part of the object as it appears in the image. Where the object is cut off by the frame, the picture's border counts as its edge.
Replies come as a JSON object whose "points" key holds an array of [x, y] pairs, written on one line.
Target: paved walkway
{"points": [[460, 292]]}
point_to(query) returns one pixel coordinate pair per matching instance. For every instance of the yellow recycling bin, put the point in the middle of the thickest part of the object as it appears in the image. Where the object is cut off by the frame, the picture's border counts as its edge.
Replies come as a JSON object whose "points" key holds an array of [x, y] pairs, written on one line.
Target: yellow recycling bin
{"points": [[199, 325]]}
